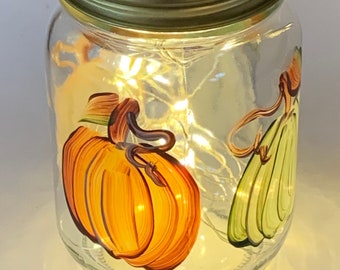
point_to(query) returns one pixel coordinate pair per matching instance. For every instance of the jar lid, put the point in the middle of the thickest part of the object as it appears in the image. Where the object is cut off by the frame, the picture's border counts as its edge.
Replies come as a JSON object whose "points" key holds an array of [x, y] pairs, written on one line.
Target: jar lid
{"points": [[167, 15]]}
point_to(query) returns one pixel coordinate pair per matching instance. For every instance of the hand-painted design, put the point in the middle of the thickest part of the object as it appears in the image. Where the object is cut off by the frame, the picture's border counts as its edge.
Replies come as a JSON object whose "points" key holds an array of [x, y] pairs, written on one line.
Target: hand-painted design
{"points": [[288, 88], [79, 50], [135, 200], [264, 197]]}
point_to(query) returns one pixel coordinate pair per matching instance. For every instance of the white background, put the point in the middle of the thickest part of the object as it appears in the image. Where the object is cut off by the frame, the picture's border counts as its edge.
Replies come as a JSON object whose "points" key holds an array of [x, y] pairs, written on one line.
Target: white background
{"points": [[28, 235]]}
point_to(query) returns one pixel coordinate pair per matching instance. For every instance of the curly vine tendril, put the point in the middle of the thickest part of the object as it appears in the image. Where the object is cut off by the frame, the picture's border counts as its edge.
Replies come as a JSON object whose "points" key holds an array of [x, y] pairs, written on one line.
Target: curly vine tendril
{"points": [[255, 146], [134, 151], [288, 88]]}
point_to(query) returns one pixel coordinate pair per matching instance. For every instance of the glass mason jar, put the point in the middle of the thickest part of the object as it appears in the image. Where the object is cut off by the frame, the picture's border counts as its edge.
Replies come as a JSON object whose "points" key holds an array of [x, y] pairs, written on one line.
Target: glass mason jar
{"points": [[175, 131]]}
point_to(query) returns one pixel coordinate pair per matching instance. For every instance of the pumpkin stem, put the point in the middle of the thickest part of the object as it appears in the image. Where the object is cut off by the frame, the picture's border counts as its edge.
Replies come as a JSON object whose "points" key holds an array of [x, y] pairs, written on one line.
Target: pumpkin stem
{"points": [[249, 117], [151, 135], [118, 125], [288, 88], [133, 151]]}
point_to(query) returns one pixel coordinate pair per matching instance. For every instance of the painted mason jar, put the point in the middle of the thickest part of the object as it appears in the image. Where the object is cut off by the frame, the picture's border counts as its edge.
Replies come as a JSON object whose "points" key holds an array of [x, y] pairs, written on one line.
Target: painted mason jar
{"points": [[175, 131]]}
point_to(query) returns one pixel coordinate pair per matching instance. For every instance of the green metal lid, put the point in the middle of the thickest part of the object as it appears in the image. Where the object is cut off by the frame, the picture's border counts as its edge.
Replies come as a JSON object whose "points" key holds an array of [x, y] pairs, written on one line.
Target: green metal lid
{"points": [[167, 15]]}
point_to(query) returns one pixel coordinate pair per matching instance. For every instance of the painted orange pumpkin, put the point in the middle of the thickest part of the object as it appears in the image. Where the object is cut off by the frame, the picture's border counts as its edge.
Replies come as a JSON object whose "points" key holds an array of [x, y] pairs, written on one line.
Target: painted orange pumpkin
{"points": [[135, 200]]}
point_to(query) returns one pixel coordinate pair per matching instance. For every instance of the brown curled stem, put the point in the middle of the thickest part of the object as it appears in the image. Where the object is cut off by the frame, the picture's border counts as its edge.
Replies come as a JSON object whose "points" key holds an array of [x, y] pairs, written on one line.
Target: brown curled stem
{"points": [[132, 154], [122, 119], [151, 135], [249, 117], [156, 177], [133, 151]]}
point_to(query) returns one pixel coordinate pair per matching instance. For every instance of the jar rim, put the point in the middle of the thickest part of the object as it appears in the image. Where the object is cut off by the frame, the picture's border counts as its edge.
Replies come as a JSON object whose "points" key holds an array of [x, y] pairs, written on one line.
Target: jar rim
{"points": [[168, 15]]}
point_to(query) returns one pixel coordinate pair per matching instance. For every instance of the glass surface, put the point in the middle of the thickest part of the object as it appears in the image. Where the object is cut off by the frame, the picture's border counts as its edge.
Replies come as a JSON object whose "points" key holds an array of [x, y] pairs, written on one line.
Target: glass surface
{"points": [[175, 152]]}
